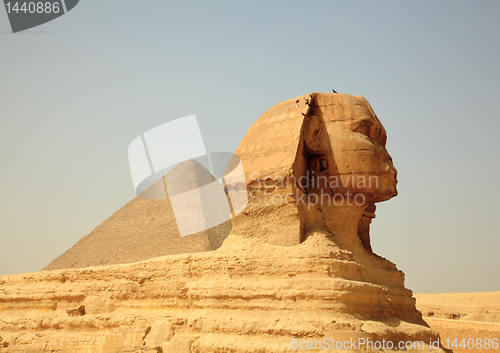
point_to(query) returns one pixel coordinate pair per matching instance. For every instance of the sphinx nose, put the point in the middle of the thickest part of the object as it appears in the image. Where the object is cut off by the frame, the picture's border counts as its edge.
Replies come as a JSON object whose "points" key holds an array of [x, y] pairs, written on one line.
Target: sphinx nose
{"points": [[387, 159], [390, 166], [392, 169]]}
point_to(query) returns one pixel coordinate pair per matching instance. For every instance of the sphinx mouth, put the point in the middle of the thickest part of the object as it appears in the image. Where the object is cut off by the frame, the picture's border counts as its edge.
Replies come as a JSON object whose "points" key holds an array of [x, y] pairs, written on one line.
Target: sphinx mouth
{"points": [[392, 173]]}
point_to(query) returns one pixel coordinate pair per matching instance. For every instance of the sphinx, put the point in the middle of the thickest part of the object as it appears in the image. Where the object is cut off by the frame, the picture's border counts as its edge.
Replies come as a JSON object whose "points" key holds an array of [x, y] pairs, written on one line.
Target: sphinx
{"points": [[296, 270]]}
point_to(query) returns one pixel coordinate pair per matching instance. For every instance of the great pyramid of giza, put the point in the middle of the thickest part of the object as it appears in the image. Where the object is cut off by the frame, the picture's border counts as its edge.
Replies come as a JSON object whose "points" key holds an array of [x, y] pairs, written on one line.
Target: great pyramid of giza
{"points": [[145, 228]]}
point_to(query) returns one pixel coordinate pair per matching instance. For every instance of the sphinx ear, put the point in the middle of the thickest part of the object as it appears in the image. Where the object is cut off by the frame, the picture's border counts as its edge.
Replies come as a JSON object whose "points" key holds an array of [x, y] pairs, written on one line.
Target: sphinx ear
{"points": [[315, 150], [314, 156]]}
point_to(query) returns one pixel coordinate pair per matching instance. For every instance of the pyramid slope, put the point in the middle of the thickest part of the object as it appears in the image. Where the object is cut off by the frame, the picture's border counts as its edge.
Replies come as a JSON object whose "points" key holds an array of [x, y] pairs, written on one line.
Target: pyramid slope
{"points": [[142, 229]]}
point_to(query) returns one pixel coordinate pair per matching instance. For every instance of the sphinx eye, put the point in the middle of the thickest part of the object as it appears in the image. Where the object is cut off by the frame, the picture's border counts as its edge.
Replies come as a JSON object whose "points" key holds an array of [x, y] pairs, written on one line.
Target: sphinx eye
{"points": [[363, 127], [376, 132]]}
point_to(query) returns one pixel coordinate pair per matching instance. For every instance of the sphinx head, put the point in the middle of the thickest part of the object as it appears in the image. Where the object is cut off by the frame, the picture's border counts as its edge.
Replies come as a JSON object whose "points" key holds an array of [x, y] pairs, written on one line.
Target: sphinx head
{"points": [[344, 140], [335, 139]]}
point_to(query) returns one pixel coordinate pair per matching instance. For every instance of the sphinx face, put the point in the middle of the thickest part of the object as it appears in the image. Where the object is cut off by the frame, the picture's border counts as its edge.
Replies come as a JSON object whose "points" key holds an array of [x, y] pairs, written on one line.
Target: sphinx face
{"points": [[358, 146]]}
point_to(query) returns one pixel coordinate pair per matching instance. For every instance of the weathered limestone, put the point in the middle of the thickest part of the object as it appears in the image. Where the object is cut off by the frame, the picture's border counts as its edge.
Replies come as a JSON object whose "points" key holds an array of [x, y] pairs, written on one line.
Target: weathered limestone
{"points": [[246, 296], [297, 267]]}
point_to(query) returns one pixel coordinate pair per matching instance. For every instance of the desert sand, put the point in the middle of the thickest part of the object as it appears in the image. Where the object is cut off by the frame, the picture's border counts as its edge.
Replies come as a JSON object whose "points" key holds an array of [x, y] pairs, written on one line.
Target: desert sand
{"points": [[462, 316]]}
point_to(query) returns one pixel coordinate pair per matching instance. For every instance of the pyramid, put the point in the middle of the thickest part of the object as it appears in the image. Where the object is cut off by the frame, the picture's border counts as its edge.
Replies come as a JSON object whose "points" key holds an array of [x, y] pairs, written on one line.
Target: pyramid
{"points": [[146, 226]]}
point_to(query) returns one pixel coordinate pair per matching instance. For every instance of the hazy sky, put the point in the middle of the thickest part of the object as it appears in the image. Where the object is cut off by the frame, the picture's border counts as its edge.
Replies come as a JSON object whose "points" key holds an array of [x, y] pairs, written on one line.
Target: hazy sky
{"points": [[76, 91]]}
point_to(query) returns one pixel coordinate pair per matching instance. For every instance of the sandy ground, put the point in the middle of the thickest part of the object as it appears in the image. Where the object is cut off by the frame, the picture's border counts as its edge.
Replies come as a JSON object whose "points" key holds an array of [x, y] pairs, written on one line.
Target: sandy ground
{"points": [[473, 319]]}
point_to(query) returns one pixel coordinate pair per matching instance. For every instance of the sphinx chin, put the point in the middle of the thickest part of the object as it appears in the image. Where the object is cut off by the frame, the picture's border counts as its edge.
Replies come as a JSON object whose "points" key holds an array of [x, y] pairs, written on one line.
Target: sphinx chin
{"points": [[386, 189]]}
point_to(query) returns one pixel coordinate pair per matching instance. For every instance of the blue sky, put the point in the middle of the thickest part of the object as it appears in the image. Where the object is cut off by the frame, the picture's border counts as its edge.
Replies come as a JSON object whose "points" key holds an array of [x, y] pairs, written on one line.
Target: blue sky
{"points": [[76, 91]]}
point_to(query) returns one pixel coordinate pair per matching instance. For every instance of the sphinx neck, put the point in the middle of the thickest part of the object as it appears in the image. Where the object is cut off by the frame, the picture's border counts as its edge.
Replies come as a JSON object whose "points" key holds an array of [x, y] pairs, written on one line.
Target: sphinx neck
{"points": [[340, 220], [343, 220]]}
